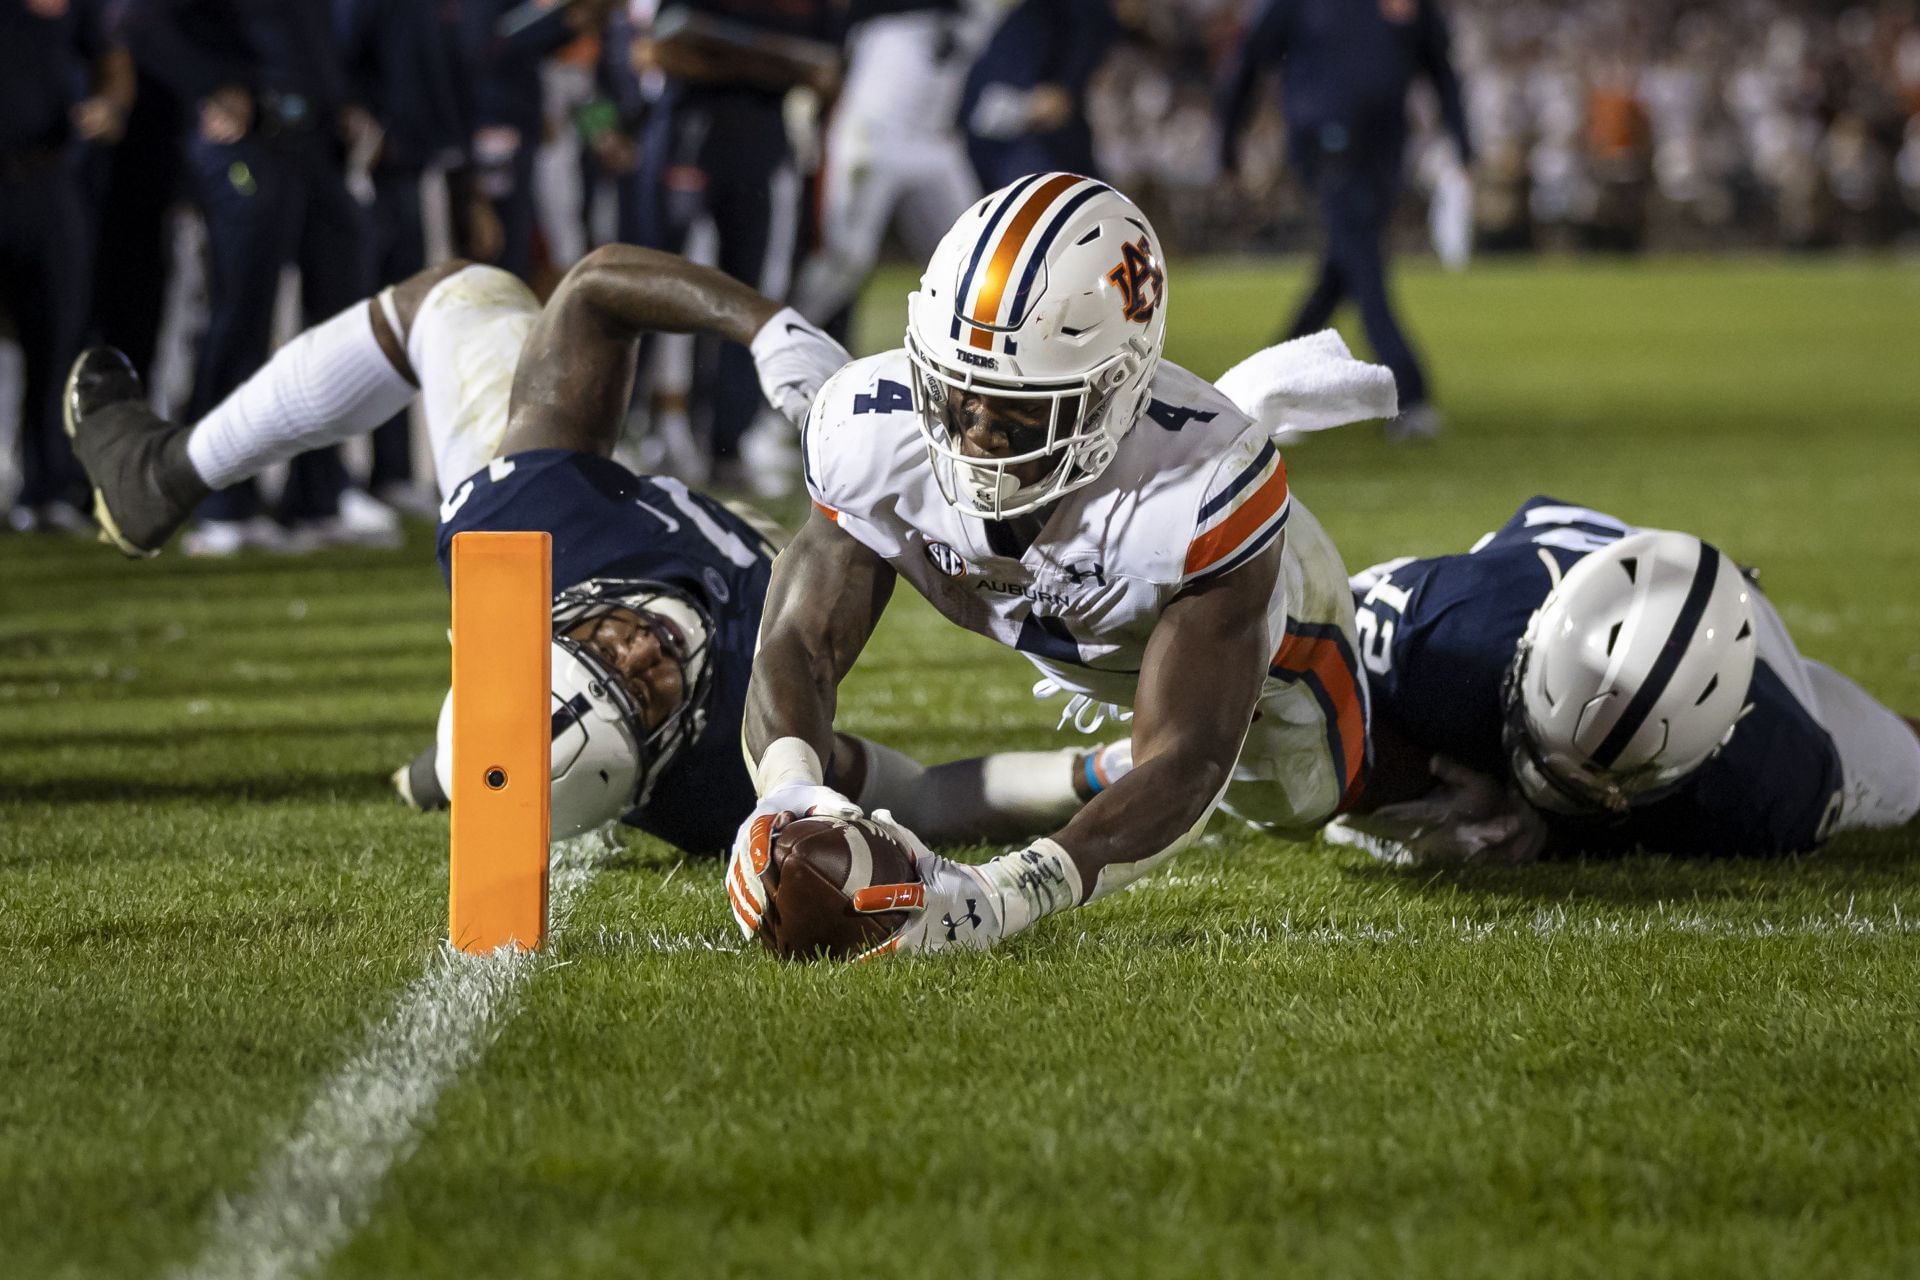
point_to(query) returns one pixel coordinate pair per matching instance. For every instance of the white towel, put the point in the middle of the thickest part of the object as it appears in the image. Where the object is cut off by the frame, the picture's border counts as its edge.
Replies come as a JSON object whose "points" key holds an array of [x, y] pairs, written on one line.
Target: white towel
{"points": [[1309, 384]]}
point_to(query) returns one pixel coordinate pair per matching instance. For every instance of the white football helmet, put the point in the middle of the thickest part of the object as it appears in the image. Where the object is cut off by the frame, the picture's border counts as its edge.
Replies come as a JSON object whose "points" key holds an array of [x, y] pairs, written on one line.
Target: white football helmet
{"points": [[1051, 289], [604, 763], [1632, 674]]}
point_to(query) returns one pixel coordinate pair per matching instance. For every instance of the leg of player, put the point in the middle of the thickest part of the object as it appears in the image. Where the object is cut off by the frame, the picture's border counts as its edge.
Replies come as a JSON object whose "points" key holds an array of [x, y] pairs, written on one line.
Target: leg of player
{"points": [[855, 204], [341, 378], [1879, 753], [1014, 795]]}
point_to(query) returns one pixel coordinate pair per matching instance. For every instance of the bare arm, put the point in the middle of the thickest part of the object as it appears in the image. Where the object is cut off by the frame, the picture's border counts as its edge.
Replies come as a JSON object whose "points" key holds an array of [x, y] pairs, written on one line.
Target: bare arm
{"points": [[575, 377], [1204, 667], [827, 594]]}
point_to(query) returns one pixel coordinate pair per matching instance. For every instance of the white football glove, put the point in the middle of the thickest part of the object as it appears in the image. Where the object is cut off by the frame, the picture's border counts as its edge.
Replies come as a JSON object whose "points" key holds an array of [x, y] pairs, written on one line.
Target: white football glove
{"points": [[752, 850], [1468, 817], [956, 907], [972, 908], [794, 358]]}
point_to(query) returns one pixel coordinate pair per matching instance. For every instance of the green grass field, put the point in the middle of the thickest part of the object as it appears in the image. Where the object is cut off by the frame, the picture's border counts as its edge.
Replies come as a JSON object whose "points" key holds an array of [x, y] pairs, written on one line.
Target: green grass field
{"points": [[1270, 1059]]}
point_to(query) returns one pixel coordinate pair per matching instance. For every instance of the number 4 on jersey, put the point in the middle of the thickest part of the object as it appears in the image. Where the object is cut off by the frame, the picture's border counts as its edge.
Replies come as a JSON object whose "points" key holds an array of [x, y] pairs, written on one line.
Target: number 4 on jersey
{"points": [[887, 397]]}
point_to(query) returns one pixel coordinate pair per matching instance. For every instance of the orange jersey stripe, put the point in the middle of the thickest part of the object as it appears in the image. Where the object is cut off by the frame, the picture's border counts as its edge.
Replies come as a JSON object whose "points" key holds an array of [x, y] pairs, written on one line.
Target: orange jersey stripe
{"points": [[1218, 543], [1307, 655], [826, 511], [993, 285]]}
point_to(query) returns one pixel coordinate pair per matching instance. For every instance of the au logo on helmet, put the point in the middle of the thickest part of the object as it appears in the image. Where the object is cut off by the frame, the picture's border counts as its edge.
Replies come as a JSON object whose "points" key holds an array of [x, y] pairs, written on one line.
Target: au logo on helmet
{"points": [[1141, 281]]}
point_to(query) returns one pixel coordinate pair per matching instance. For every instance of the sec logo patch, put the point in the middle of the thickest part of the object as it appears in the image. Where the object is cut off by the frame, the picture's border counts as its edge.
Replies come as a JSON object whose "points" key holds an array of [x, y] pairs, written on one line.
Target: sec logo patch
{"points": [[947, 560]]}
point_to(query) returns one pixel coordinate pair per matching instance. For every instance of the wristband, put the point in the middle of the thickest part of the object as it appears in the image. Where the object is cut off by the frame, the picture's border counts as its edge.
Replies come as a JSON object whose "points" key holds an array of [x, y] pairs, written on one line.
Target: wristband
{"points": [[774, 334], [787, 762]]}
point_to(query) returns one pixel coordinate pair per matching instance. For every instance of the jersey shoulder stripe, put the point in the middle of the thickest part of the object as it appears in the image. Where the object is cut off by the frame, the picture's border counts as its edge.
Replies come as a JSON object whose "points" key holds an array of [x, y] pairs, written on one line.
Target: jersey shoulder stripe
{"points": [[1242, 517]]}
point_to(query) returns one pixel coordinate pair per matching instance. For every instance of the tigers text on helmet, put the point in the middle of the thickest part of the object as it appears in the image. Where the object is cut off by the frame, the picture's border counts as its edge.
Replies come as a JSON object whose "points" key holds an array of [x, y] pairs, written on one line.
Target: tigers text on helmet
{"points": [[1050, 291], [605, 759], [1632, 674]]}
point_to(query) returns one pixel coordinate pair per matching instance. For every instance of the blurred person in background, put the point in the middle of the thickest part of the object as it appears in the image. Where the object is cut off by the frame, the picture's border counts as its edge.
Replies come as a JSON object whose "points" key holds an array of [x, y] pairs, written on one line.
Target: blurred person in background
{"points": [[1347, 67], [894, 153], [269, 127], [509, 41], [410, 64], [716, 150], [138, 183], [1025, 101], [62, 80], [1619, 139]]}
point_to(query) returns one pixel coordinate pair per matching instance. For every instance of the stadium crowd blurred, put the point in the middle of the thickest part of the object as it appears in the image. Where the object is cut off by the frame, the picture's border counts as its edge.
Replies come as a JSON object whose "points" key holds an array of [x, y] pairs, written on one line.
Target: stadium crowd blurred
{"points": [[165, 163], [1615, 124]]}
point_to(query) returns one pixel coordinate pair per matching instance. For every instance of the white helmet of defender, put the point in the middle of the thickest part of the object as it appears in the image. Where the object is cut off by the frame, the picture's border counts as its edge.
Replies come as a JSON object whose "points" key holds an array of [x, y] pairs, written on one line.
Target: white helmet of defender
{"points": [[1052, 289], [596, 755], [604, 762], [1632, 674]]}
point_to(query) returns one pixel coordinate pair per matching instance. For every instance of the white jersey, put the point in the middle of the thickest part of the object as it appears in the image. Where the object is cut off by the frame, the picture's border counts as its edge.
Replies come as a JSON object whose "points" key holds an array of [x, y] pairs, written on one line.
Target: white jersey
{"points": [[1196, 490], [905, 72]]}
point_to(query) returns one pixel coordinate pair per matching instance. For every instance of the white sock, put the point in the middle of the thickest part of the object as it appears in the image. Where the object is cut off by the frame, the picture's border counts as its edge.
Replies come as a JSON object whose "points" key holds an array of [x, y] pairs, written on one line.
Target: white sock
{"points": [[1010, 796], [331, 383]]}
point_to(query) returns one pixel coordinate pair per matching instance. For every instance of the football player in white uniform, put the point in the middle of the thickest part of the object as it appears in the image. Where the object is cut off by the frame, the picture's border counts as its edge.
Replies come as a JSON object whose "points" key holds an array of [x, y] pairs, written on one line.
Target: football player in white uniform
{"points": [[1035, 470], [894, 152]]}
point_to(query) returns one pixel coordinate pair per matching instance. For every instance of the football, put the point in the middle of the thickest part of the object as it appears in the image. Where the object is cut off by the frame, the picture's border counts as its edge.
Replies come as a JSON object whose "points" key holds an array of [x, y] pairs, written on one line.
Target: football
{"points": [[815, 878]]}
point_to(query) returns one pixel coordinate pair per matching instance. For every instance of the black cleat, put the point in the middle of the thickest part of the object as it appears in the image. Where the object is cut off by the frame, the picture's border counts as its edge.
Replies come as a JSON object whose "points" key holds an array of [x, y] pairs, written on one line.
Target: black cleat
{"points": [[144, 486]]}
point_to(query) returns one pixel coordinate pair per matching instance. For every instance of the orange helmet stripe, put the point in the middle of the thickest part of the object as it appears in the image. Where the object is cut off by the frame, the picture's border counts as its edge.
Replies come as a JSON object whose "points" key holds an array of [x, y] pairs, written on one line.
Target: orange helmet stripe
{"points": [[993, 285]]}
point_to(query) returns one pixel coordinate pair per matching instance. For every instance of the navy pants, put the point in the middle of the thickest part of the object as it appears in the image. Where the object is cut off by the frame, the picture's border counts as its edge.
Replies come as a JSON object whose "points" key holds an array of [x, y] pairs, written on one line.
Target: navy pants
{"points": [[1356, 201], [399, 251], [45, 266], [270, 202], [141, 181], [713, 153]]}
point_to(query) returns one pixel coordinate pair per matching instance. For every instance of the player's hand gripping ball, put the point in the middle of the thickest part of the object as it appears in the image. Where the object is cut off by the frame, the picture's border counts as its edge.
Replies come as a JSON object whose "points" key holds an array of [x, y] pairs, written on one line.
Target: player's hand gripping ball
{"points": [[834, 887]]}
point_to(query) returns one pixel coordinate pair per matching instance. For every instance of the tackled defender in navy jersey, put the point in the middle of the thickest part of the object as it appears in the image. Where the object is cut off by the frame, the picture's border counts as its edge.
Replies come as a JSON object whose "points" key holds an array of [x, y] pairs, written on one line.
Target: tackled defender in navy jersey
{"points": [[1439, 639], [610, 525]]}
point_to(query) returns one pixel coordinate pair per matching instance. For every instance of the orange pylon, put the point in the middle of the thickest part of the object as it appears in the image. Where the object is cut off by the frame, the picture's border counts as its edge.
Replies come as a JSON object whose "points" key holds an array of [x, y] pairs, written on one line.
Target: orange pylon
{"points": [[502, 736]]}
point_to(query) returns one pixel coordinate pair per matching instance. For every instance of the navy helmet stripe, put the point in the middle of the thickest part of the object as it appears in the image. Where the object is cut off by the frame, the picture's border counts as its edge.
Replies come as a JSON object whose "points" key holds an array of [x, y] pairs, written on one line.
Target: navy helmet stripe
{"points": [[1241, 481], [1040, 247], [980, 246], [1691, 610], [569, 713]]}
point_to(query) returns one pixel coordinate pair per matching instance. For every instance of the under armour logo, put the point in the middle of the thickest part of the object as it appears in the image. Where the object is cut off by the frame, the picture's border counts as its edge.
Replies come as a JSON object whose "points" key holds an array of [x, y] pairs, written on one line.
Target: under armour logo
{"points": [[1141, 281], [971, 920], [1081, 572]]}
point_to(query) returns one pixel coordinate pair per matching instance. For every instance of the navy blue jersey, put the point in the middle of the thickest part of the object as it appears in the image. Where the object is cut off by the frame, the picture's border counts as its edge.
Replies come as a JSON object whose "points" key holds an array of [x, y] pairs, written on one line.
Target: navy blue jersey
{"points": [[1437, 635], [608, 522]]}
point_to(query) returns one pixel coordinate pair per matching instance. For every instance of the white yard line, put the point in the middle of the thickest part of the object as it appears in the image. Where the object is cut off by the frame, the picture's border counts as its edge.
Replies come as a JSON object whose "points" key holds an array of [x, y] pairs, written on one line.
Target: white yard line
{"points": [[1556, 922], [316, 1190]]}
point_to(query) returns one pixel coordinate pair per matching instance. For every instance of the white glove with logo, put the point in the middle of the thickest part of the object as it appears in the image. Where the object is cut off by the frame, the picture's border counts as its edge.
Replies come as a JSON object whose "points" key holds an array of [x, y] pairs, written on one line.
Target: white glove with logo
{"points": [[794, 359], [972, 908], [752, 850]]}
